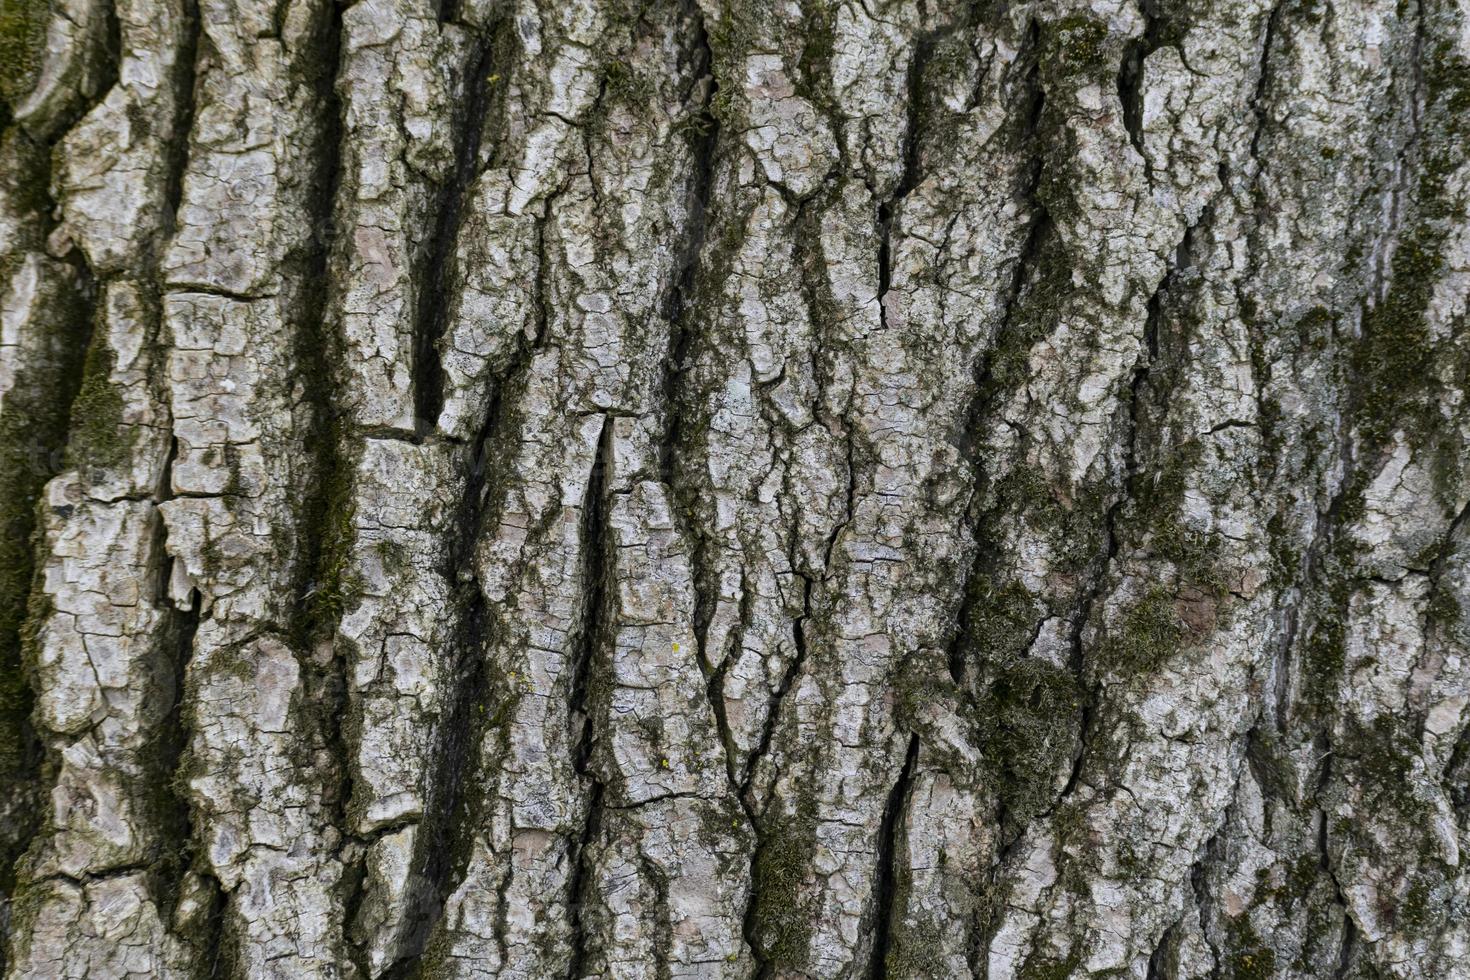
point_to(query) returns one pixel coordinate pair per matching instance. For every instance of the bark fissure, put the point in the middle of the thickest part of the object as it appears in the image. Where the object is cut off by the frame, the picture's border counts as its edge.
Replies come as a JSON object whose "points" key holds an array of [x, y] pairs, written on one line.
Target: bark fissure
{"points": [[960, 583], [886, 892], [678, 312], [435, 277], [1130, 80], [596, 569]]}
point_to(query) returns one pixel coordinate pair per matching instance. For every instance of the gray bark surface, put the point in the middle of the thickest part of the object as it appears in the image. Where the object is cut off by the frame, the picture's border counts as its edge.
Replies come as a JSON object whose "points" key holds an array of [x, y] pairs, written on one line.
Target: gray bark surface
{"points": [[723, 488]]}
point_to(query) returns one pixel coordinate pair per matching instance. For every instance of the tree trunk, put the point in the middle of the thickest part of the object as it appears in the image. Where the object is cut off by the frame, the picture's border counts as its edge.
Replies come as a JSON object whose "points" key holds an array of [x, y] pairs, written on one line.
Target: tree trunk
{"points": [[811, 489]]}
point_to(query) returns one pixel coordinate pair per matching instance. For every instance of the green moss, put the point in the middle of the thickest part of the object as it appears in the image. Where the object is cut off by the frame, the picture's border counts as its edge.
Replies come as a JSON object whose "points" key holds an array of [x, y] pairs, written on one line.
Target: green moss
{"points": [[1048, 968], [328, 528], [819, 37], [1398, 360], [1444, 607], [1157, 515], [1246, 956], [22, 45], [783, 861], [1149, 632], [1381, 760], [1301, 876], [1071, 518], [1077, 44], [914, 951], [998, 622], [98, 436], [1324, 647], [1041, 302], [1025, 720], [624, 86]]}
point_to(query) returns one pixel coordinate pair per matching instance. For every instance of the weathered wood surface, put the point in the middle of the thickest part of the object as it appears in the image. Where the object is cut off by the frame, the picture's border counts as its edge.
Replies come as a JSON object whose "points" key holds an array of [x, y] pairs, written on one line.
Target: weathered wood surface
{"points": [[580, 488]]}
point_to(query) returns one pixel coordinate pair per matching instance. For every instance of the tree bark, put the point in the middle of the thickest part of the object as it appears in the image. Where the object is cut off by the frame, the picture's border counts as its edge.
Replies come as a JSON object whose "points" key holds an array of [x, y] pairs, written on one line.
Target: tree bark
{"points": [[812, 489]]}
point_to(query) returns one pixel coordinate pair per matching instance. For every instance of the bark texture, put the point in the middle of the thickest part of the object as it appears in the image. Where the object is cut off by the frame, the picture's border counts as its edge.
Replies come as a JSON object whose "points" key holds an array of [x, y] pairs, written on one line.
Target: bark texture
{"points": [[727, 488]]}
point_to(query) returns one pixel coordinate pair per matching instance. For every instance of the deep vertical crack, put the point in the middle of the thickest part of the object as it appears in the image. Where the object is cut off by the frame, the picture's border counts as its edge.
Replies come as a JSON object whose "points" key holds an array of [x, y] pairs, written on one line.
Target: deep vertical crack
{"points": [[447, 803], [908, 177], [1130, 79], [442, 846], [885, 897], [596, 570], [704, 128], [437, 269], [34, 437]]}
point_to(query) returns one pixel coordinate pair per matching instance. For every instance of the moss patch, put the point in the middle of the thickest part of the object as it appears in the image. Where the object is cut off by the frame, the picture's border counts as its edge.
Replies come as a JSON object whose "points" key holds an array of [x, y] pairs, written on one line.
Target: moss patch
{"points": [[1077, 44], [1401, 366], [1147, 634], [99, 437], [1024, 716], [781, 918], [1257, 962], [22, 45]]}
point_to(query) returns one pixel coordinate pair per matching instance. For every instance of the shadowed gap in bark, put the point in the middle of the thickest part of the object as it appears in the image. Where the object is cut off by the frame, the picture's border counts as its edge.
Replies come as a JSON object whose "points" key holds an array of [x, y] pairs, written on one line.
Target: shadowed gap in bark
{"points": [[441, 850], [33, 438], [1038, 232], [1130, 76], [437, 269], [597, 569], [885, 897], [677, 312]]}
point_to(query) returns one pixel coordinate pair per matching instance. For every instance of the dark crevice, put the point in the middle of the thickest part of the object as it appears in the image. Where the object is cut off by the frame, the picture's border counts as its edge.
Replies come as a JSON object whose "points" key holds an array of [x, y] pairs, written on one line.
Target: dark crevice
{"points": [[596, 570], [1027, 264], [446, 803], [34, 440], [1159, 967], [1349, 944], [440, 847], [1446, 548], [34, 430], [704, 140], [1290, 617], [163, 807], [1130, 78], [1179, 264], [887, 886], [1263, 82], [352, 889], [1200, 890], [675, 312], [183, 123], [212, 955], [793, 671], [1325, 868], [178, 848], [176, 821], [749, 924], [314, 349], [437, 271], [908, 177], [321, 538], [174, 818], [750, 930], [443, 844]]}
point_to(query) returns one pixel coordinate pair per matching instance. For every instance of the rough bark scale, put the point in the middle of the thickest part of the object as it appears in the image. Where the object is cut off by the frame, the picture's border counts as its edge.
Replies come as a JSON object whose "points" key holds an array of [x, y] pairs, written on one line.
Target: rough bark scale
{"points": [[523, 488]]}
